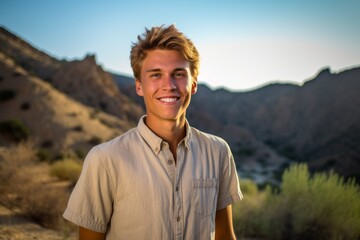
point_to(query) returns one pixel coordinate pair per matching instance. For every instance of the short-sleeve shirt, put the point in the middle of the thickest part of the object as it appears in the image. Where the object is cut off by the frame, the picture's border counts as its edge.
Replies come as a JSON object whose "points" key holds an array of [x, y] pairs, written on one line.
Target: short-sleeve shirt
{"points": [[131, 187]]}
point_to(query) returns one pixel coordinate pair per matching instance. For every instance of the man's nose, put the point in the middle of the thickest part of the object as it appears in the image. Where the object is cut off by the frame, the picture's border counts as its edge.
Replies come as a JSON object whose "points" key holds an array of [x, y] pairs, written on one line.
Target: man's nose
{"points": [[169, 83]]}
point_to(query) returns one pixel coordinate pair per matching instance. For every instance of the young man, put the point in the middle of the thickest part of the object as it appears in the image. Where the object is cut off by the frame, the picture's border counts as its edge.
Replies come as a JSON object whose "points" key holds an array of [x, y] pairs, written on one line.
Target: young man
{"points": [[162, 179]]}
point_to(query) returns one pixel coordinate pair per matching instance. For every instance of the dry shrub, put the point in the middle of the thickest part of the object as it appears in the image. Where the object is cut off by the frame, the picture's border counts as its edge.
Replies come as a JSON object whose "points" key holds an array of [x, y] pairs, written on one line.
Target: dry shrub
{"points": [[13, 161], [44, 206], [67, 169], [41, 202]]}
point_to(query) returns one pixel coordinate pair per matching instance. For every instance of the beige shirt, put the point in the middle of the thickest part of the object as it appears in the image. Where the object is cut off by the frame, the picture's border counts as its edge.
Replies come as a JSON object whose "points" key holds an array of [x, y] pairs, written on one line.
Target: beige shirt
{"points": [[131, 188]]}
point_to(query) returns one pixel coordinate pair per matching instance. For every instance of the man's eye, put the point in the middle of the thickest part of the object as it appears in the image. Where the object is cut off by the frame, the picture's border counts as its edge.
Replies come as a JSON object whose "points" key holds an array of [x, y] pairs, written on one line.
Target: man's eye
{"points": [[179, 75], [155, 75]]}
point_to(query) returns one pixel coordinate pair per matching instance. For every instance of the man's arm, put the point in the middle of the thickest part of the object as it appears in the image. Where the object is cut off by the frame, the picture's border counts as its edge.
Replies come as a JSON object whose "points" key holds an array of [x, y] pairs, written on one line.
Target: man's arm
{"points": [[86, 234], [224, 225]]}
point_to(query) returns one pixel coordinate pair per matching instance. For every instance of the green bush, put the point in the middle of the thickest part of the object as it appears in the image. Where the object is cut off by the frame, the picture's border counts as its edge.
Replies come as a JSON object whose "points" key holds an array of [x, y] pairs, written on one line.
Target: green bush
{"points": [[80, 153], [95, 140], [67, 169], [329, 207], [15, 129], [78, 128], [43, 155], [247, 213], [25, 106], [323, 206], [7, 94], [245, 149]]}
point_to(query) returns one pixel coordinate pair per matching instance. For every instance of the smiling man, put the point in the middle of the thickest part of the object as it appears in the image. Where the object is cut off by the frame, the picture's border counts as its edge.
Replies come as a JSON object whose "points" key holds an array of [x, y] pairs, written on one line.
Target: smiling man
{"points": [[163, 179]]}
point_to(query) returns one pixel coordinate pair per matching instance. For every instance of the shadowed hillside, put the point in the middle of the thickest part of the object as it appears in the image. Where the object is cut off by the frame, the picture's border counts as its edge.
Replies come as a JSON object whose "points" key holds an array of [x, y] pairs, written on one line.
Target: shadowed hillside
{"points": [[317, 123], [52, 119]]}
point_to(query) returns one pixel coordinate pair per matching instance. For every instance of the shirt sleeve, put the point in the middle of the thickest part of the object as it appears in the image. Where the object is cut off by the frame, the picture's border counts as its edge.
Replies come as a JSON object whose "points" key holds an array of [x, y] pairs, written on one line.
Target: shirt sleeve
{"points": [[91, 202], [229, 187]]}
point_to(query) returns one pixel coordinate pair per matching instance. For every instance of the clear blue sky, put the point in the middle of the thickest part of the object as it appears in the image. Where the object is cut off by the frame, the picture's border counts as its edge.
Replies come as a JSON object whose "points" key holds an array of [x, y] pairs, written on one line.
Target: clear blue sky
{"points": [[243, 44]]}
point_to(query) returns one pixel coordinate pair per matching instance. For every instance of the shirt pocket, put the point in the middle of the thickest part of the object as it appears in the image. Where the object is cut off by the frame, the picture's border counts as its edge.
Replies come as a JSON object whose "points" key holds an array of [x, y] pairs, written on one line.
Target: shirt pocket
{"points": [[204, 195]]}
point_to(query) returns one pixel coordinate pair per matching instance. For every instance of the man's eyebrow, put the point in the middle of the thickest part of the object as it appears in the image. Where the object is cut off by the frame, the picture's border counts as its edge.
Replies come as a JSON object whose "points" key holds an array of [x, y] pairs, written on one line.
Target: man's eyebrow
{"points": [[179, 69], [154, 70], [159, 70]]}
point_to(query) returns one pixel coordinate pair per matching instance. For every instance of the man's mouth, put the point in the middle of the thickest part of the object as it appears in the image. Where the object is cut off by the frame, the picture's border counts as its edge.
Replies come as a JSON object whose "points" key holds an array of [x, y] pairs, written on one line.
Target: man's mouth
{"points": [[168, 99]]}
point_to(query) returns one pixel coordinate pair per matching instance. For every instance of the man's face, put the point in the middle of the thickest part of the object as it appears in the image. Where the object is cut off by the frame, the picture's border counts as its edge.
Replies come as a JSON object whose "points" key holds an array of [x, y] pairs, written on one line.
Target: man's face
{"points": [[166, 85]]}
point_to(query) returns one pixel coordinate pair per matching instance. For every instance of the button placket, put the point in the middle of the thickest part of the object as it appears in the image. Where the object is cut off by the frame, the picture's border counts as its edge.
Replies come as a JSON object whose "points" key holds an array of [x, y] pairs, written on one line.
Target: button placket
{"points": [[178, 193], [168, 160]]}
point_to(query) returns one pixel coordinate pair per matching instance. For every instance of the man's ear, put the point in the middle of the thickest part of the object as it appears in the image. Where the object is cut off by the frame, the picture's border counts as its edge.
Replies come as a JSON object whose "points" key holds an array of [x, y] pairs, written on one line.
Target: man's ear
{"points": [[138, 88], [194, 87]]}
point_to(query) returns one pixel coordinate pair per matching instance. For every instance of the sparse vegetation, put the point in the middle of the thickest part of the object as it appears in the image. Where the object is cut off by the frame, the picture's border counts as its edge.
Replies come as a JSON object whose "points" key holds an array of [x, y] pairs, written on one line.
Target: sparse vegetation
{"points": [[43, 155], [48, 79], [47, 144], [107, 123], [67, 169], [41, 203], [95, 140], [80, 153], [12, 160], [78, 128], [44, 205], [25, 65], [288, 151], [7, 94], [245, 149], [25, 106], [72, 114], [94, 114], [58, 156], [103, 106], [17, 74], [262, 161], [15, 129], [323, 206]]}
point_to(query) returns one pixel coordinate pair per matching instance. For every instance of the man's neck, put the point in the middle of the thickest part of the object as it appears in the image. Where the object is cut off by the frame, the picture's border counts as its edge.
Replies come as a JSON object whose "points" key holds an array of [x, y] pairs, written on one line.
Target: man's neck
{"points": [[171, 131]]}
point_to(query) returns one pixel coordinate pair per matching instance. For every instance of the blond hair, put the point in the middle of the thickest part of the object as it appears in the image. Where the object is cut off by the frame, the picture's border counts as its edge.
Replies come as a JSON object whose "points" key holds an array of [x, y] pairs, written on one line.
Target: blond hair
{"points": [[165, 38]]}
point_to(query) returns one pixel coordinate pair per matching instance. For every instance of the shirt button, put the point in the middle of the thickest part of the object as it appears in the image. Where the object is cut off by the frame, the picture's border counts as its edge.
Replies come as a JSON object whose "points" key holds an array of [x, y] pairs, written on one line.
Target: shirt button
{"points": [[177, 189], [170, 161], [178, 218]]}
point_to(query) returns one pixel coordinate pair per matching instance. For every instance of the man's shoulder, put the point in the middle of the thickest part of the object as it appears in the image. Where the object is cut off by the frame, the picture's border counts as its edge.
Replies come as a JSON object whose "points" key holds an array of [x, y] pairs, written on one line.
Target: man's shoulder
{"points": [[123, 140], [118, 148], [208, 138]]}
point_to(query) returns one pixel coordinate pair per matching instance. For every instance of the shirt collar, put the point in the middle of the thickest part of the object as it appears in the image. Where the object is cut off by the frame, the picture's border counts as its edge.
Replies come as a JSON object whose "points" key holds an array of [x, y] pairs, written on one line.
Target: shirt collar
{"points": [[187, 138], [154, 141]]}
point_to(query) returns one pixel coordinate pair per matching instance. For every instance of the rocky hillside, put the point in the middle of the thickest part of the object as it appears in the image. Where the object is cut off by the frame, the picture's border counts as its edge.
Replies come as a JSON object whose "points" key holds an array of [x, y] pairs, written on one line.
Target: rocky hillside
{"points": [[88, 83], [83, 80], [33, 60], [62, 106], [30, 107], [318, 122]]}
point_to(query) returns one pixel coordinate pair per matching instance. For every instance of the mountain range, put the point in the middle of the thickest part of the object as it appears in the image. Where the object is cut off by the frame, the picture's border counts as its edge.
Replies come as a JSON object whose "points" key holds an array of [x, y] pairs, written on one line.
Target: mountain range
{"points": [[68, 106]]}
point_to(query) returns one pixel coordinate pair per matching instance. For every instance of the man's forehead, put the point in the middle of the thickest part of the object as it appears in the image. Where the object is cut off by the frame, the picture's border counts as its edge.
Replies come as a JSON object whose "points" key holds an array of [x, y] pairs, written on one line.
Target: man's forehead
{"points": [[161, 60]]}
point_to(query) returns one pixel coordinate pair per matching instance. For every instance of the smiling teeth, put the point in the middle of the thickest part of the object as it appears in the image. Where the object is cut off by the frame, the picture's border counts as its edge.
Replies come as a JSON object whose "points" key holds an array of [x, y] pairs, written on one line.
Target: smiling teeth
{"points": [[168, 100]]}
